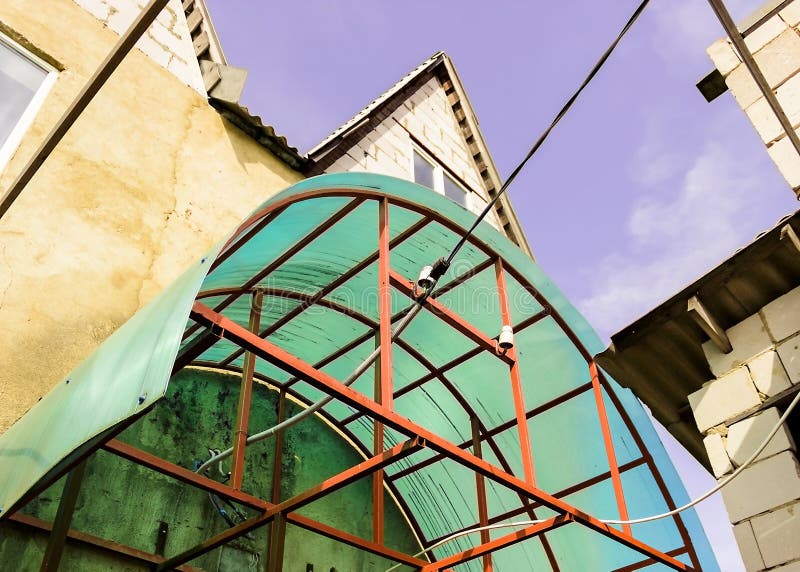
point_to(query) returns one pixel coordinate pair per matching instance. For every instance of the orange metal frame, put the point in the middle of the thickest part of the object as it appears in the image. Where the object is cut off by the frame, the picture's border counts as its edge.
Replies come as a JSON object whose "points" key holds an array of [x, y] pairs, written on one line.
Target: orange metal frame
{"points": [[213, 325]]}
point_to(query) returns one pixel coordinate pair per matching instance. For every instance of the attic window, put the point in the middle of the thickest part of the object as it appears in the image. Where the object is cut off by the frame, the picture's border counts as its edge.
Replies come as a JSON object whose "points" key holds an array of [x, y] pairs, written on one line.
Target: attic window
{"points": [[429, 173], [24, 81]]}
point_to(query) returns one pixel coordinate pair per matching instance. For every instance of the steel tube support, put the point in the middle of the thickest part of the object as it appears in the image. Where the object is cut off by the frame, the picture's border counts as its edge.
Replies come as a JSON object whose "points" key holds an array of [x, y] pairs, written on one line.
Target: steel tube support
{"points": [[326, 487], [480, 489], [608, 441], [245, 396], [78, 105], [499, 543], [526, 451], [277, 531], [278, 356], [79, 537], [383, 369], [61, 525], [449, 317], [181, 474]]}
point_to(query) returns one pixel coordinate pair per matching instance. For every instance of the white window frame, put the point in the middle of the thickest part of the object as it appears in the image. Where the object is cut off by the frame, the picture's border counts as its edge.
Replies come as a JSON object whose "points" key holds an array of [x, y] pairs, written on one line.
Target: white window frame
{"points": [[9, 147], [438, 176]]}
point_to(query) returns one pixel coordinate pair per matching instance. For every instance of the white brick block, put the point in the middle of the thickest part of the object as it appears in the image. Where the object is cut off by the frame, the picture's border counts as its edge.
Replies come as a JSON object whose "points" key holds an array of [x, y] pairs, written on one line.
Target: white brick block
{"points": [[762, 486], [171, 41], [720, 462], [743, 87], [778, 535], [746, 435], [789, 97], [763, 119], [153, 50], [791, 14], [789, 352], [780, 58], [765, 33], [97, 8], [768, 373], [122, 15], [748, 547], [748, 338], [723, 398], [787, 160], [782, 315]]}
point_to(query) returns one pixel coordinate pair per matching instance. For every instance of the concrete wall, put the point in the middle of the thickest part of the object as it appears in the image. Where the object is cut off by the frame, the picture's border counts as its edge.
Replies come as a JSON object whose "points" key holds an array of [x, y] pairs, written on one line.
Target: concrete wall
{"points": [[148, 178], [428, 116], [776, 48], [167, 42], [124, 502], [763, 502]]}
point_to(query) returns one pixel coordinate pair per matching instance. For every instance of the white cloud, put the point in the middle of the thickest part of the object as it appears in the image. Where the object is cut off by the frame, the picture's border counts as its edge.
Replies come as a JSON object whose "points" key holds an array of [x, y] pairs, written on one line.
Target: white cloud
{"points": [[675, 237], [684, 28]]}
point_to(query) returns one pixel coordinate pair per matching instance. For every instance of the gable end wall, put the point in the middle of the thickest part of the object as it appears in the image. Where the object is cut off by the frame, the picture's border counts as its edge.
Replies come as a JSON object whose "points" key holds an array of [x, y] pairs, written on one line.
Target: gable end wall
{"points": [[427, 117]]}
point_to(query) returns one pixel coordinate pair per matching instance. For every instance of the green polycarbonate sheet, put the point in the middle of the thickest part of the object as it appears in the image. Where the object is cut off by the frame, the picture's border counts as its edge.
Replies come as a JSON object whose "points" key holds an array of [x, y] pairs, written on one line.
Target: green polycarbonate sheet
{"points": [[566, 439], [124, 376]]}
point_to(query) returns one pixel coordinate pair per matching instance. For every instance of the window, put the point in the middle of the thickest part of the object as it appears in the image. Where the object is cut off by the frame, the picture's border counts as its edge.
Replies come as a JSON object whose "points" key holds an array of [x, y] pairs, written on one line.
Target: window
{"points": [[24, 81], [431, 174]]}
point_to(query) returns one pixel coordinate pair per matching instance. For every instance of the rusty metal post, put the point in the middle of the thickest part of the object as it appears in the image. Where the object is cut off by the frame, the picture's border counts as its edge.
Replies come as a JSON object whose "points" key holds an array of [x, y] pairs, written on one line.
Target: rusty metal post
{"points": [[383, 370], [277, 530], [516, 382], [609, 445], [245, 396], [66, 507], [480, 489]]}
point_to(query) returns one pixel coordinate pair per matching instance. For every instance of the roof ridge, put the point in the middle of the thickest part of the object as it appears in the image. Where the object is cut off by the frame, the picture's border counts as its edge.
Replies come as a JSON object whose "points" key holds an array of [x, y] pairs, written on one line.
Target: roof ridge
{"points": [[366, 110]]}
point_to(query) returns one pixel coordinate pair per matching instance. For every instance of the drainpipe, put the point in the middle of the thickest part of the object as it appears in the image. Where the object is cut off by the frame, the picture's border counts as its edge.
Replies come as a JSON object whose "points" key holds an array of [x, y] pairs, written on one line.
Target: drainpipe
{"points": [[98, 79]]}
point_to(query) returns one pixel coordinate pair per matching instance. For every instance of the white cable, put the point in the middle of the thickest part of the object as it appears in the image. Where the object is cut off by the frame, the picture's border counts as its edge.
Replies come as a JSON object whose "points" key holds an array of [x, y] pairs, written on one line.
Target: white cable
{"points": [[470, 531], [722, 483], [698, 500], [362, 367]]}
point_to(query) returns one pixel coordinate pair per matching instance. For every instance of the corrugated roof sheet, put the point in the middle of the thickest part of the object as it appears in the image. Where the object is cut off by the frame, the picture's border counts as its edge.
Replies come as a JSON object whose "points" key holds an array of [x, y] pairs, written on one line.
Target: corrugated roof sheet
{"points": [[264, 134], [660, 355]]}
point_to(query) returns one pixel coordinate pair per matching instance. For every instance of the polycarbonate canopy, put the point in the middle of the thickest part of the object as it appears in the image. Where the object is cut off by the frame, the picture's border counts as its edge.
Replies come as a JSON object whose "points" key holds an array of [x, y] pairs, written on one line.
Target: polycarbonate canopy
{"points": [[312, 254]]}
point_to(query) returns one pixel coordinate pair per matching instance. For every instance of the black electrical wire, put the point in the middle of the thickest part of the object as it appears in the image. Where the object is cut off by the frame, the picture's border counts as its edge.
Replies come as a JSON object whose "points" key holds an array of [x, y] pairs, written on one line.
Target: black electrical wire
{"points": [[547, 131]]}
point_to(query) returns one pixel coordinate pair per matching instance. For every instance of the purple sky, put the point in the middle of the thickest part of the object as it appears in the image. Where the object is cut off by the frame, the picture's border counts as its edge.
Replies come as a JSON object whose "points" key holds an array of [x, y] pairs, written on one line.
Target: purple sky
{"points": [[642, 187]]}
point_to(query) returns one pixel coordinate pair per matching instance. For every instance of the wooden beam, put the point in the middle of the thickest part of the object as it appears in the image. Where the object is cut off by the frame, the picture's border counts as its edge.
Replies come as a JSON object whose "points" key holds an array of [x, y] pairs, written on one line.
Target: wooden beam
{"points": [[706, 321], [789, 237]]}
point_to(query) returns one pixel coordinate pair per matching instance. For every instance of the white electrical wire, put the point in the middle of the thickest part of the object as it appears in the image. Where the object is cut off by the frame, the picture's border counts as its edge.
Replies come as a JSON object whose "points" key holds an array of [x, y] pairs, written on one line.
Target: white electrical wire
{"points": [[722, 483], [673, 512], [362, 367], [470, 531]]}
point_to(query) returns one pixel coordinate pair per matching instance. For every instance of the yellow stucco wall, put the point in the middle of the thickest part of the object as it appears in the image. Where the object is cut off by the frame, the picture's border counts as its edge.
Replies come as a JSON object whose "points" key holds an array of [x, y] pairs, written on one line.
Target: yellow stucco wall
{"points": [[148, 178]]}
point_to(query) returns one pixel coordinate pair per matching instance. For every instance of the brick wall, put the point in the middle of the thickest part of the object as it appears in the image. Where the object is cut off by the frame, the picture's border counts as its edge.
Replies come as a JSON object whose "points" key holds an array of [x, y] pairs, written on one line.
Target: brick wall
{"points": [[428, 116], [167, 41], [776, 48], [763, 503]]}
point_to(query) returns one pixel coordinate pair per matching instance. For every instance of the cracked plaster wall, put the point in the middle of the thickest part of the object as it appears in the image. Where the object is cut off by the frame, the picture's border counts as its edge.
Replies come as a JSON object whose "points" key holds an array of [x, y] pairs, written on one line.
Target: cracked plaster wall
{"points": [[167, 41], [148, 178]]}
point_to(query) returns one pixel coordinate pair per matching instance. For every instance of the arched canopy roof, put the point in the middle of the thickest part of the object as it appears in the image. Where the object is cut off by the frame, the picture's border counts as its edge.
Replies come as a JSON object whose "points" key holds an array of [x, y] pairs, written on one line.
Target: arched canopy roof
{"points": [[311, 257]]}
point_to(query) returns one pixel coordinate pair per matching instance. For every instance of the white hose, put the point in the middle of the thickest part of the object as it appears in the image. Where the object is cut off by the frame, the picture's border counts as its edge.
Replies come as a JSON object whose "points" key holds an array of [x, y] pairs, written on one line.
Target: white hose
{"points": [[673, 512], [362, 367]]}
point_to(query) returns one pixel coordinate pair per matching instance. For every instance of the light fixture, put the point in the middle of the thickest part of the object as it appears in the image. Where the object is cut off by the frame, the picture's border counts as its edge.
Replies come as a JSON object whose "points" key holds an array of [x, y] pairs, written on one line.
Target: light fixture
{"points": [[506, 340], [425, 280]]}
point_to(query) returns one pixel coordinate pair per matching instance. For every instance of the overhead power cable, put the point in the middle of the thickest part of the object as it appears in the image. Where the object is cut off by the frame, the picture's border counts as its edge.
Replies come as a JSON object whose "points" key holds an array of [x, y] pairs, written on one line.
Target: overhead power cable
{"points": [[431, 274], [543, 137]]}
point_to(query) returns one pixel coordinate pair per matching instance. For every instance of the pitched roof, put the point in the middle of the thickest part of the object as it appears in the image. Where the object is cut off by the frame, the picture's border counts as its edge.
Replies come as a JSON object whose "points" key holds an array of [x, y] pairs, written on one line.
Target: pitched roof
{"points": [[439, 65]]}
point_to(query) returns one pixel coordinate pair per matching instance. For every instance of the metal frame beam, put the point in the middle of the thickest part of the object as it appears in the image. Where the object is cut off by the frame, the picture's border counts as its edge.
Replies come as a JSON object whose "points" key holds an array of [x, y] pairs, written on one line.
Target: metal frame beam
{"points": [[277, 356]]}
